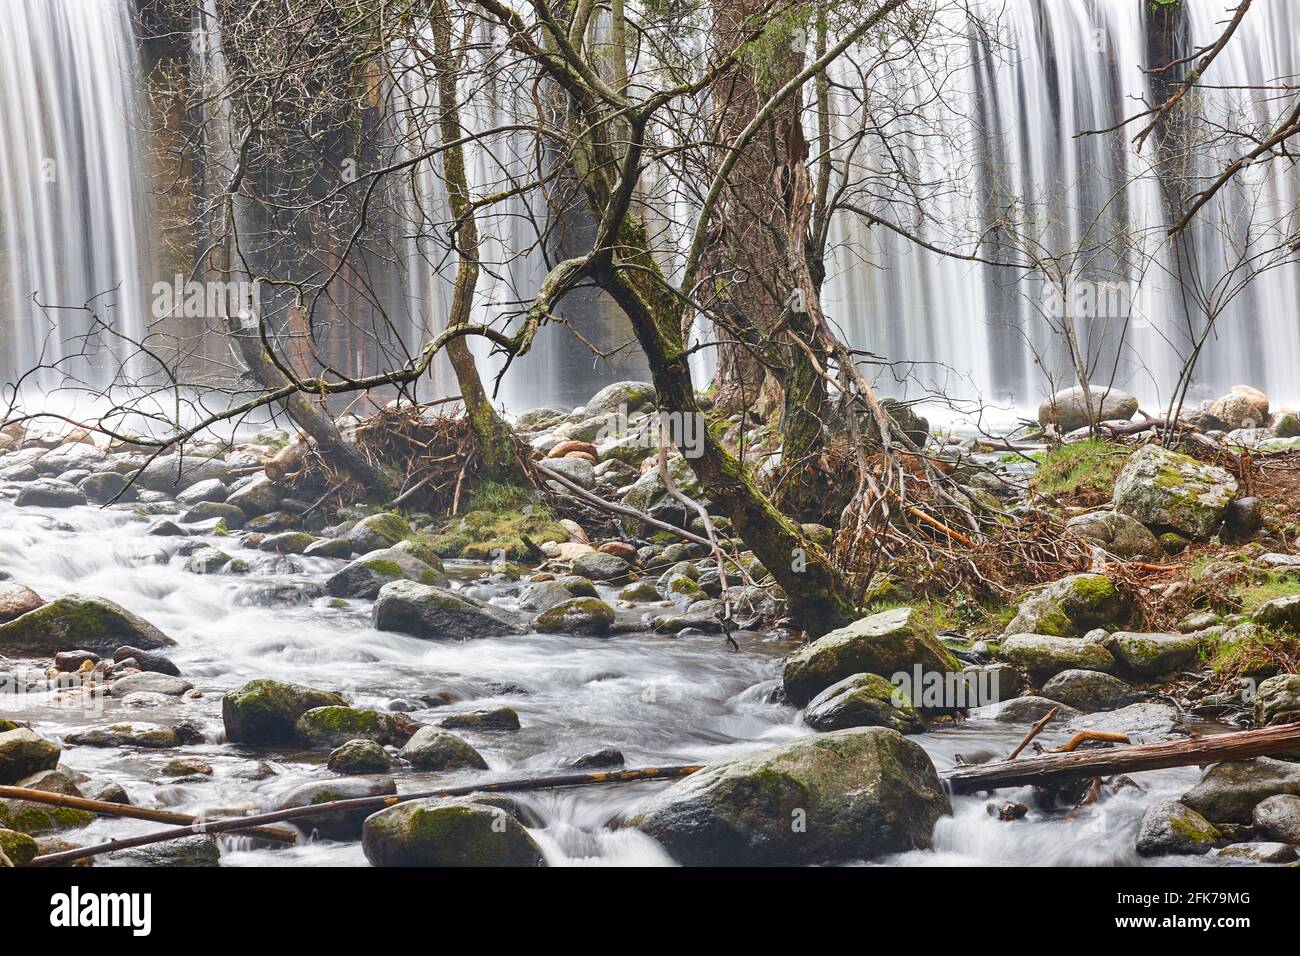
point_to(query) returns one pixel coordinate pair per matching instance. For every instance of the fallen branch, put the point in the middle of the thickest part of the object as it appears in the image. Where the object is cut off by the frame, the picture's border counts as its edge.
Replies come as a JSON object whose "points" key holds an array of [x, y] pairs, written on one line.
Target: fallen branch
{"points": [[1084, 736], [1034, 731], [365, 803], [102, 807]]}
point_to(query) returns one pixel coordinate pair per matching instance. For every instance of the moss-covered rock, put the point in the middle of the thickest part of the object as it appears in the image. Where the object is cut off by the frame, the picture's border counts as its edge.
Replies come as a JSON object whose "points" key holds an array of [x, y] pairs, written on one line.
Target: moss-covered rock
{"points": [[378, 531], [432, 612], [1277, 700], [1153, 655], [334, 725], [845, 795], [265, 712], [18, 847], [363, 577], [863, 700], [26, 816], [1282, 613], [24, 752], [432, 748], [576, 616], [1230, 791], [1070, 607], [599, 566], [639, 591], [1171, 827], [448, 833], [359, 756], [338, 824], [148, 736], [884, 644], [88, 623], [1173, 492], [1090, 691], [1044, 656], [288, 542], [493, 718], [1116, 533]]}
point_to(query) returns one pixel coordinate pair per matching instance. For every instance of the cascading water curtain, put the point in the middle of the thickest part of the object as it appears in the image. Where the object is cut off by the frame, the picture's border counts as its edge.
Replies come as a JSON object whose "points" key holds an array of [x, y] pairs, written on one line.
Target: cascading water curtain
{"points": [[72, 187]]}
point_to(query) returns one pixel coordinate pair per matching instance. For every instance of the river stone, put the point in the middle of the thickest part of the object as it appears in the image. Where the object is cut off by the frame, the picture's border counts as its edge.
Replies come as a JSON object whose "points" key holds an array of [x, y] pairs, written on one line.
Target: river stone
{"points": [[329, 548], [257, 497], [1143, 720], [599, 566], [81, 622], [150, 682], [886, 643], [377, 532], [27, 816], [992, 683], [288, 542], [1283, 612], [1173, 492], [1031, 709], [24, 752], [1278, 817], [19, 848], [208, 560], [1068, 408], [576, 616], [628, 397], [649, 494], [544, 595], [1242, 407], [146, 660], [432, 748], [263, 712], [172, 473], [16, 600], [845, 795], [213, 489], [334, 725], [1230, 791], [233, 516], [1090, 691], [50, 493], [1153, 655], [359, 756], [364, 577], [1044, 656], [105, 486], [1070, 607], [448, 833], [1277, 700], [432, 612], [863, 700], [340, 824], [494, 718], [191, 852], [149, 736], [1170, 827], [1258, 852], [1116, 533]]}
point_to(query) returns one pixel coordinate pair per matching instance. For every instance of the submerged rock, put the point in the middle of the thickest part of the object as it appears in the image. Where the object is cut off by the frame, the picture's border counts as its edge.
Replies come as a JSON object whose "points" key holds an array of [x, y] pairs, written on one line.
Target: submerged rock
{"points": [[78, 621], [447, 833], [1173, 492], [1171, 827], [433, 612], [1070, 607], [835, 797], [263, 712]]}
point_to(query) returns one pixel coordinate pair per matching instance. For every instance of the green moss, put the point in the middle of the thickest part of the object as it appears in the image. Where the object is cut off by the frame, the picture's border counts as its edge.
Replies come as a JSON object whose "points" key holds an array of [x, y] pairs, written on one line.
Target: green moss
{"points": [[1275, 586], [1206, 834], [490, 535], [1084, 469], [389, 569]]}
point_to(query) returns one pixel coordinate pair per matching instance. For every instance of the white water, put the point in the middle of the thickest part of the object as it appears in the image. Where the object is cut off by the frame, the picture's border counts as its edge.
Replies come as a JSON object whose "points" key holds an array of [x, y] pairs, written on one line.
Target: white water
{"points": [[72, 223]]}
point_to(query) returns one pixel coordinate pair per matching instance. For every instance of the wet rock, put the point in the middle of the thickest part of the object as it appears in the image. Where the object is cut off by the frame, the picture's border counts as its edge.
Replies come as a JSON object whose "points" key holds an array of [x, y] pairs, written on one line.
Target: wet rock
{"points": [[1068, 408], [1242, 407], [198, 851], [1140, 721], [359, 757], [78, 621], [1230, 791], [1283, 613], [576, 616], [1070, 607], [208, 560], [432, 748], [185, 767], [1044, 656], [232, 516], [377, 532], [334, 725], [257, 497], [19, 848], [1173, 492], [1169, 827], [16, 600], [27, 816], [863, 700], [846, 795], [496, 718], [339, 824], [329, 548], [69, 662], [1090, 691], [105, 486], [447, 833], [149, 736], [885, 643], [599, 566], [364, 577], [50, 493], [146, 660], [992, 683], [1153, 655], [639, 591], [606, 758], [264, 712], [1277, 700], [24, 752], [433, 612], [213, 489], [543, 595], [1116, 533], [1258, 852], [1278, 818], [1030, 709], [150, 682]]}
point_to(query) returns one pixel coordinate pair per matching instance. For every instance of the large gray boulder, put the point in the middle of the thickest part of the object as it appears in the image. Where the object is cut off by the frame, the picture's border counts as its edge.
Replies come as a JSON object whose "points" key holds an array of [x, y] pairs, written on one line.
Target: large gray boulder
{"points": [[1116, 533], [887, 643], [1153, 655], [846, 795], [334, 725], [428, 611], [1230, 791], [1278, 818], [78, 621], [447, 833], [24, 752], [583, 615], [265, 712], [863, 700], [1068, 408], [364, 577], [378, 531], [50, 493], [1170, 827], [1169, 491], [1277, 700], [1242, 407], [1070, 607], [628, 396], [1044, 656], [432, 748], [1090, 691]]}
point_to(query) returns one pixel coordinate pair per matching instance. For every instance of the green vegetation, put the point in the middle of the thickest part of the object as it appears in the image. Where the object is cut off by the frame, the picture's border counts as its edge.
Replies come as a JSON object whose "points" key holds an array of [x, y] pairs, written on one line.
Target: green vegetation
{"points": [[1082, 470], [497, 519]]}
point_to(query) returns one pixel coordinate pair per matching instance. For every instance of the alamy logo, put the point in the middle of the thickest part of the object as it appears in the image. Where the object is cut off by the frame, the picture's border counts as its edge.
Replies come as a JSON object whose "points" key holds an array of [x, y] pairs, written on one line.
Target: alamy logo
{"points": [[75, 909], [209, 300], [1077, 298]]}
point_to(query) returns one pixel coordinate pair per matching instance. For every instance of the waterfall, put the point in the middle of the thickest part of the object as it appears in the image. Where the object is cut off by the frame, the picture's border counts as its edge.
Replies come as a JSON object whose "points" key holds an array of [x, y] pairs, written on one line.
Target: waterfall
{"points": [[72, 210]]}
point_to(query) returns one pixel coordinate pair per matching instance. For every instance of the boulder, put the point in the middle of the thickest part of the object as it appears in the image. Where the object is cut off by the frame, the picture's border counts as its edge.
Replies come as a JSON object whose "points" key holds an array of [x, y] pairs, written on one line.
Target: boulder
{"points": [[1278, 818], [259, 496], [863, 700], [886, 643], [432, 748], [1090, 691], [1242, 407], [448, 833], [578, 470], [1116, 533], [27, 816], [494, 718], [543, 595], [846, 795], [377, 532], [1169, 827], [263, 712], [50, 493], [106, 486], [78, 621], [213, 489], [1282, 613], [146, 736], [1277, 700], [19, 848], [172, 473], [1258, 852], [1070, 607], [1044, 656], [24, 752], [587, 615], [1068, 408], [16, 600], [1142, 721], [359, 756], [626, 396], [340, 824], [1153, 655], [1230, 791], [599, 566], [432, 612], [1031, 709], [364, 577], [209, 560], [233, 516], [335, 724], [150, 682], [1170, 491]]}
